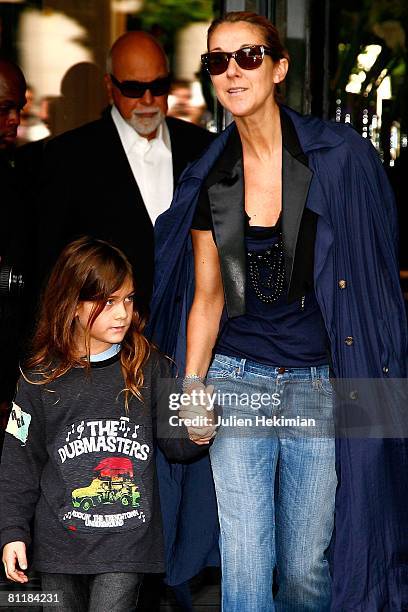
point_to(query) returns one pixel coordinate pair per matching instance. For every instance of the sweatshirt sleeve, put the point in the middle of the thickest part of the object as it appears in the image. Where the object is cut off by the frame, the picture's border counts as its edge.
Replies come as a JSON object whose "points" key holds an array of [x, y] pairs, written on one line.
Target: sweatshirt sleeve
{"points": [[23, 457], [171, 435]]}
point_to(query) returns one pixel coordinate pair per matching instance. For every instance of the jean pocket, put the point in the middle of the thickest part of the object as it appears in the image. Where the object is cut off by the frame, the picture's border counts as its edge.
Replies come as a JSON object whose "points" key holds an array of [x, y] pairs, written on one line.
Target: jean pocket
{"points": [[325, 387], [220, 369]]}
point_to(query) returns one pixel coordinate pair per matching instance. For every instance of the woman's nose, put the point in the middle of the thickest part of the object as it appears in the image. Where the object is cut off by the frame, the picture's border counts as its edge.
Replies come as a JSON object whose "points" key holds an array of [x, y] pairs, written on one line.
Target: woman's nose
{"points": [[233, 68]]}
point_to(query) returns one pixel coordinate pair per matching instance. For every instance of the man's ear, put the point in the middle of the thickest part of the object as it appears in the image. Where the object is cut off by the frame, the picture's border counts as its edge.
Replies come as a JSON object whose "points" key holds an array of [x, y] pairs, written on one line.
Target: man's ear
{"points": [[280, 70], [108, 85]]}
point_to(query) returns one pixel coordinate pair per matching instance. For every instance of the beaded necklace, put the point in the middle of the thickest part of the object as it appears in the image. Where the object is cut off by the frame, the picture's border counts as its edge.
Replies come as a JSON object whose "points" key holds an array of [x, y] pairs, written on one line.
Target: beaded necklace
{"points": [[267, 272]]}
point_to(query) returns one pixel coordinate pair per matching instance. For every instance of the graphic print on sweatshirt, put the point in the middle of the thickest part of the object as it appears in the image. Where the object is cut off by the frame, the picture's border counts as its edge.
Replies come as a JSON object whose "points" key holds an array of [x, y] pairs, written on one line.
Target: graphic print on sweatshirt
{"points": [[103, 463], [18, 423]]}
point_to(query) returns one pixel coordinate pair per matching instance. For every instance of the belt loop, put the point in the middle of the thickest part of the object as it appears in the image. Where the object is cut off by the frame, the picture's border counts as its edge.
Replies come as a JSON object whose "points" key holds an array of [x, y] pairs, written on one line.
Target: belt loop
{"points": [[313, 372], [242, 368]]}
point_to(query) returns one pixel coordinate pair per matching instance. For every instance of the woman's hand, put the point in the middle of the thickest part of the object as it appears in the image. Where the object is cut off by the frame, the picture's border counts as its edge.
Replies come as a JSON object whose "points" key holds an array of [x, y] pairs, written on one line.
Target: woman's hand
{"points": [[15, 552], [200, 413]]}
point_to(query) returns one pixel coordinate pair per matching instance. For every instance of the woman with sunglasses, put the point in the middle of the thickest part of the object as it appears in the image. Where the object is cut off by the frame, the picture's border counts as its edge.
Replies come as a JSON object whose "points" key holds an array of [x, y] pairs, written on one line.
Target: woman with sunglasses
{"points": [[276, 346], [292, 227]]}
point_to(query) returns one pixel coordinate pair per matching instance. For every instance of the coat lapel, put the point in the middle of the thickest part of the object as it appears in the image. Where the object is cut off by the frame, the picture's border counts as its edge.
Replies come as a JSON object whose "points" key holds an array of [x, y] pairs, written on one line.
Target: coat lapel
{"points": [[119, 167], [225, 186], [179, 153], [296, 178], [227, 208], [180, 149]]}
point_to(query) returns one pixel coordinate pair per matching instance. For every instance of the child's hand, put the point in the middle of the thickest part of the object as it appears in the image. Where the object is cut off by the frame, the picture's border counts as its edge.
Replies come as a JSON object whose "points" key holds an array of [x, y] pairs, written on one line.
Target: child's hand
{"points": [[201, 411], [12, 553]]}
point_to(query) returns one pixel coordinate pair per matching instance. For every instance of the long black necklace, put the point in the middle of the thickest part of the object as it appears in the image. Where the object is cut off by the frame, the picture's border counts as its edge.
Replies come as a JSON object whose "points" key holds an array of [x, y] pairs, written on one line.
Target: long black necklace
{"points": [[267, 272]]}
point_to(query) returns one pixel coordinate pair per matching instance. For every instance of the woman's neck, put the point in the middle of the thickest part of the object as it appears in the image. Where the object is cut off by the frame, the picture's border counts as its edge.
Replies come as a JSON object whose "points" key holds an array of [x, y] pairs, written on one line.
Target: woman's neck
{"points": [[260, 134]]}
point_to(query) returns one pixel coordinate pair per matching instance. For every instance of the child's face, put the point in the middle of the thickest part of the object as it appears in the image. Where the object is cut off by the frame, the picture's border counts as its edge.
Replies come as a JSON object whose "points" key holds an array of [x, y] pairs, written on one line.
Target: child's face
{"points": [[111, 324]]}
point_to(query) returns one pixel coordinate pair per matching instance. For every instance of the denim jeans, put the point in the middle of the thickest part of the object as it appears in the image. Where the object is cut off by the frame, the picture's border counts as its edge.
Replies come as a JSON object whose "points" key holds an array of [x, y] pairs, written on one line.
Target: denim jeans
{"points": [[275, 485], [109, 592]]}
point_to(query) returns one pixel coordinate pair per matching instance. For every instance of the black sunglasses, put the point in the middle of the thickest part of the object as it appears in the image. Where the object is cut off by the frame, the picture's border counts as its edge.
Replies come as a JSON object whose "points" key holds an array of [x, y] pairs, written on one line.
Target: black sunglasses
{"points": [[248, 58], [137, 89]]}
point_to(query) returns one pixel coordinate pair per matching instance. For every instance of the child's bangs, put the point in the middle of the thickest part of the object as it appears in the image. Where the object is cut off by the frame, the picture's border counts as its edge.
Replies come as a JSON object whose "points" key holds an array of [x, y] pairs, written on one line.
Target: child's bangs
{"points": [[104, 280]]}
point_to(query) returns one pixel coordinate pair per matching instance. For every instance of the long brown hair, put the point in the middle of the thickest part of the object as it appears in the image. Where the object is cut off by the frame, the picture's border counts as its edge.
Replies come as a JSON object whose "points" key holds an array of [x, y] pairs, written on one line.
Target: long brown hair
{"points": [[269, 31], [87, 270]]}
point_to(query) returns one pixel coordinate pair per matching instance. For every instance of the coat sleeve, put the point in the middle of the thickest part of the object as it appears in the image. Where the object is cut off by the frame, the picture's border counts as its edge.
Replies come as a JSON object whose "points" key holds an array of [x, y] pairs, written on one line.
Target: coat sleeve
{"points": [[171, 435], [378, 184], [23, 458]]}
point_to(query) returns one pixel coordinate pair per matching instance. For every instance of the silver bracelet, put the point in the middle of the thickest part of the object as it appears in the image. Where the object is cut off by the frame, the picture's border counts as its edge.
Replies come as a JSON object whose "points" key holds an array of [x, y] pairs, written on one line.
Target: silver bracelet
{"points": [[190, 379]]}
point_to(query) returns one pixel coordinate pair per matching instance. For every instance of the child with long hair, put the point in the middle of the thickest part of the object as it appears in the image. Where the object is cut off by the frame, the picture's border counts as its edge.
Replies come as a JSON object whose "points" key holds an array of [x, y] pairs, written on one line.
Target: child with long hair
{"points": [[79, 448]]}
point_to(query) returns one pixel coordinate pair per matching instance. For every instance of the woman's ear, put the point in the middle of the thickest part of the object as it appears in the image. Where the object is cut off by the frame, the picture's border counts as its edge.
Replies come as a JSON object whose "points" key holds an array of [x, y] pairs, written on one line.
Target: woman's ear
{"points": [[280, 69]]}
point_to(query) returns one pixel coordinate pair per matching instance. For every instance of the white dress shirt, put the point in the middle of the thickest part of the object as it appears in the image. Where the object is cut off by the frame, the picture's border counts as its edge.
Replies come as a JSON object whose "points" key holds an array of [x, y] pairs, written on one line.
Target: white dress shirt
{"points": [[151, 162]]}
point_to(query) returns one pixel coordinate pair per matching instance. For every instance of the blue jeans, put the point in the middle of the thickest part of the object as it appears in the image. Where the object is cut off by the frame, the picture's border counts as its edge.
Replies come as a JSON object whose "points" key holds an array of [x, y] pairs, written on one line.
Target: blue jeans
{"points": [[275, 485]]}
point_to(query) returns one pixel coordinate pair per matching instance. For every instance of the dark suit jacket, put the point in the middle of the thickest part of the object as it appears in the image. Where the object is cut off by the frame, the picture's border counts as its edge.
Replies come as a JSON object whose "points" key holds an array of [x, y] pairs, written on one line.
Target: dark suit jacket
{"points": [[88, 188]]}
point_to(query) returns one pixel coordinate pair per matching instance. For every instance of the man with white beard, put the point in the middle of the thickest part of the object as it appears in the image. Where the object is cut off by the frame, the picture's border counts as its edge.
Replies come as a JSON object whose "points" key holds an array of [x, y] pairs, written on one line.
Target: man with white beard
{"points": [[140, 120], [111, 178]]}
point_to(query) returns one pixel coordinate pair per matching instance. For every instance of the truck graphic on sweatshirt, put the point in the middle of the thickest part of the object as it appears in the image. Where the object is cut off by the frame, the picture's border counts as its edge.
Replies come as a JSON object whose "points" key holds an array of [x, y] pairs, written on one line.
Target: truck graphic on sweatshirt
{"points": [[112, 484]]}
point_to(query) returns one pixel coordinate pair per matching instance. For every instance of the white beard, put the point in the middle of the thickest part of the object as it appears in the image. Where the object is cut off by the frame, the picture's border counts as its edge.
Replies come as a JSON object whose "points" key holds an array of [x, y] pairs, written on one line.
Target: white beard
{"points": [[146, 125]]}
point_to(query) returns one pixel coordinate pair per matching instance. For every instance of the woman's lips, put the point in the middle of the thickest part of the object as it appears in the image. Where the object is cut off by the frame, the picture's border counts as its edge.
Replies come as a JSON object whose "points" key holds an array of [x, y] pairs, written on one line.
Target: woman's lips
{"points": [[236, 90]]}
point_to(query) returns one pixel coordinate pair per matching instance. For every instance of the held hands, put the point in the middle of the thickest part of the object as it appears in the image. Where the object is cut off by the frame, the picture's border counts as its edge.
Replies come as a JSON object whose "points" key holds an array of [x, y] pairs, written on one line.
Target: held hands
{"points": [[198, 416], [15, 553]]}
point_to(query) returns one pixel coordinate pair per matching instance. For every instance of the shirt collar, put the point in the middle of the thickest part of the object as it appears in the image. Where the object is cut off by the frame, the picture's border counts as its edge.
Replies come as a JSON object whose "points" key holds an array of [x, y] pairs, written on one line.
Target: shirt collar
{"points": [[107, 354], [130, 138], [290, 139]]}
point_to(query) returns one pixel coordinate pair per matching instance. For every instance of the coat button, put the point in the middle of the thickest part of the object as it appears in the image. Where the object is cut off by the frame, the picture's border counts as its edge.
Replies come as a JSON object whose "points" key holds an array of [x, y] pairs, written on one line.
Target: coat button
{"points": [[349, 340], [353, 394], [342, 284], [385, 370]]}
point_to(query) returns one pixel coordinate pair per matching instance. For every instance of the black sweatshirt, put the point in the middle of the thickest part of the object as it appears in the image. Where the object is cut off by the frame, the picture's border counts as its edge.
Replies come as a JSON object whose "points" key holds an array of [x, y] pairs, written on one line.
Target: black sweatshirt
{"points": [[85, 469]]}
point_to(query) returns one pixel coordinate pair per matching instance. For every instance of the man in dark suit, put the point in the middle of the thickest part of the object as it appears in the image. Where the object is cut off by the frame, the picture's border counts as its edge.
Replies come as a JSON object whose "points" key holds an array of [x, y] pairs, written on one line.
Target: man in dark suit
{"points": [[111, 178]]}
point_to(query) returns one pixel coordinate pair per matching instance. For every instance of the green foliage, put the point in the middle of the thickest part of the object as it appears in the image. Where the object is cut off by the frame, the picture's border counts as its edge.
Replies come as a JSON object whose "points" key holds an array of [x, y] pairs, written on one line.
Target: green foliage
{"points": [[173, 15]]}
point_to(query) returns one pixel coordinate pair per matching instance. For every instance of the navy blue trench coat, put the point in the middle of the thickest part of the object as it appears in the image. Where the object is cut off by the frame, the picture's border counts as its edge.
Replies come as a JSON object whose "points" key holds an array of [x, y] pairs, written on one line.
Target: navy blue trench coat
{"points": [[356, 241]]}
